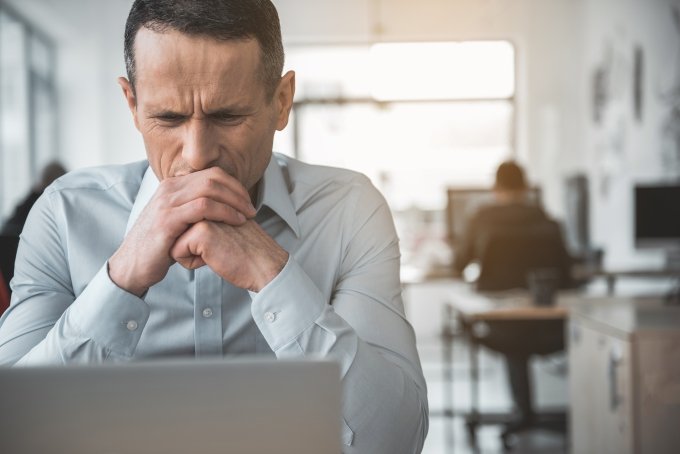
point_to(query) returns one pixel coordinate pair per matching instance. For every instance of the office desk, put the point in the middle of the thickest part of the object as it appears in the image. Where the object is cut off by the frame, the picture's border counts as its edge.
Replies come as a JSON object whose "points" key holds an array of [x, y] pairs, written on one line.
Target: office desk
{"points": [[469, 313], [611, 276]]}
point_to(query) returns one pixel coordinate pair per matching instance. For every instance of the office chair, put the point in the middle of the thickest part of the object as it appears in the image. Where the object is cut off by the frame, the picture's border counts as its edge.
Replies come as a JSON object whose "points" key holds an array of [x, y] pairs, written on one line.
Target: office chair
{"points": [[4, 295], [8, 253], [508, 257]]}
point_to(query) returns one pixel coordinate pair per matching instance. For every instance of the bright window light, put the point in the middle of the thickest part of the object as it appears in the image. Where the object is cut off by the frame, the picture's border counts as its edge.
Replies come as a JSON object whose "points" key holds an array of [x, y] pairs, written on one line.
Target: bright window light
{"points": [[445, 70], [447, 121], [328, 72]]}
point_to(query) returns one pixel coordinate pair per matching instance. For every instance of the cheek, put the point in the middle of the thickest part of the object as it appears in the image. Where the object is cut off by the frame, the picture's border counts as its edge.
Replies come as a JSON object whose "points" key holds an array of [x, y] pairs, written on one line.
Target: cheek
{"points": [[161, 151], [242, 162], [259, 153]]}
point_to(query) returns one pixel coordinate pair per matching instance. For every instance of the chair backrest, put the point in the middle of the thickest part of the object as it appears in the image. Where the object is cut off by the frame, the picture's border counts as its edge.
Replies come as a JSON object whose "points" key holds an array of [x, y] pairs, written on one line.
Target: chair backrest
{"points": [[508, 255], [4, 295], [8, 254]]}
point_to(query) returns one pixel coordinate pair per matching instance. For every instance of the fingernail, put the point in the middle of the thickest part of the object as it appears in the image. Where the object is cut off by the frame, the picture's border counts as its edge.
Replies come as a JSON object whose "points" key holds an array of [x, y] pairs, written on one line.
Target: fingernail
{"points": [[241, 217]]}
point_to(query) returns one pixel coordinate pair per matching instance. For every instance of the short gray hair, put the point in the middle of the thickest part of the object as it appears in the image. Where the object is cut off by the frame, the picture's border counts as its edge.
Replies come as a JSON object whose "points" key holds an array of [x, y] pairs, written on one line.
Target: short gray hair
{"points": [[218, 19]]}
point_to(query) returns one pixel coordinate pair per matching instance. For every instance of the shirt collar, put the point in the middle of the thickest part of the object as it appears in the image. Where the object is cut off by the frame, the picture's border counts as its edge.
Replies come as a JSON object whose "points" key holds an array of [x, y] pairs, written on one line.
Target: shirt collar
{"points": [[146, 190], [273, 193]]}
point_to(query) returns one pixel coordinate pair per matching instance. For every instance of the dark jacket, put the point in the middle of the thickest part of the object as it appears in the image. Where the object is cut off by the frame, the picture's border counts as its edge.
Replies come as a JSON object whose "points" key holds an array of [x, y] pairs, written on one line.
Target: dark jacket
{"points": [[513, 216]]}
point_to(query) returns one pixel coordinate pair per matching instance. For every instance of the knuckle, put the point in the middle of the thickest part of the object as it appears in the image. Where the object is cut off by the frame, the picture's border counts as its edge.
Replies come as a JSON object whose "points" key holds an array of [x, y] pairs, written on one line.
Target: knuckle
{"points": [[210, 183], [234, 215], [166, 199], [164, 196], [202, 204]]}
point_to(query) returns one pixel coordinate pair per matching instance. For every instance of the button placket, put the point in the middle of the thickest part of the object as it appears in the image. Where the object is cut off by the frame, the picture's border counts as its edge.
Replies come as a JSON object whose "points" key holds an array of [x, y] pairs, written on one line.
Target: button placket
{"points": [[207, 313]]}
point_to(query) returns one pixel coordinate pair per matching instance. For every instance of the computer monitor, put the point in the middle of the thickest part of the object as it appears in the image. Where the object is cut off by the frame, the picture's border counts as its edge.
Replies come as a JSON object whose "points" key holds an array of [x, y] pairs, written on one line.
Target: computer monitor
{"points": [[657, 216], [462, 203]]}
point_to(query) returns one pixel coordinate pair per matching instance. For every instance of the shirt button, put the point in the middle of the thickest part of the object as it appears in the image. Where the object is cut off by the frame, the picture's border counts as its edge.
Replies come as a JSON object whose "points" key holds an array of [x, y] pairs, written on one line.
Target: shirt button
{"points": [[269, 317], [207, 312], [131, 325]]}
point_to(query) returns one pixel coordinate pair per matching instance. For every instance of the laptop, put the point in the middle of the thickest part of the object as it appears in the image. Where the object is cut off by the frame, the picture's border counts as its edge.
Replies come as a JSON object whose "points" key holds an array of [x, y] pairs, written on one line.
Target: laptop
{"points": [[238, 406]]}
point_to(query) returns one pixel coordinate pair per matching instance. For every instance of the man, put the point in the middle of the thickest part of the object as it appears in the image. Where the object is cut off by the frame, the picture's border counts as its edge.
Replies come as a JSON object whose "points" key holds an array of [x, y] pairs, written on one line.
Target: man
{"points": [[512, 211], [215, 246]]}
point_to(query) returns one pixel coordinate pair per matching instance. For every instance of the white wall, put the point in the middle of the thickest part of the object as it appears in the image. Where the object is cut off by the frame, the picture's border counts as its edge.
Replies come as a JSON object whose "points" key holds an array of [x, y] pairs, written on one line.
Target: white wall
{"points": [[621, 150]]}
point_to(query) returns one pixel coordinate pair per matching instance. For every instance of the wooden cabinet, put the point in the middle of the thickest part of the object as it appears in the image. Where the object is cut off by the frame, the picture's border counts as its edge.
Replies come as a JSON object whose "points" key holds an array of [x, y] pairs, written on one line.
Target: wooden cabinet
{"points": [[624, 377]]}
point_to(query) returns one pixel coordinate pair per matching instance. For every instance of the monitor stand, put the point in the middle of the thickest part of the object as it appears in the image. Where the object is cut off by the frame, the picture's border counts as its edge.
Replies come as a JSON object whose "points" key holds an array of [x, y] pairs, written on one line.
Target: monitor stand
{"points": [[673, 263], [673, 259], [673, 297]]}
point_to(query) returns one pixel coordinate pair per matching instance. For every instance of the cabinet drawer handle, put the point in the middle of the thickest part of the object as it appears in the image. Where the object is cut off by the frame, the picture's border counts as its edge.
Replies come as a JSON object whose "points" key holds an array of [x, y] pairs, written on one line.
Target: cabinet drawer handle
{"points": [[614, 362]]}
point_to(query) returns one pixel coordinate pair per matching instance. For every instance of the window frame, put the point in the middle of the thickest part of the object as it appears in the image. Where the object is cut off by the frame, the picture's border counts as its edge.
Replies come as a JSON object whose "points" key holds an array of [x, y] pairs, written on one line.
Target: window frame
{"points": [[34, 79]]}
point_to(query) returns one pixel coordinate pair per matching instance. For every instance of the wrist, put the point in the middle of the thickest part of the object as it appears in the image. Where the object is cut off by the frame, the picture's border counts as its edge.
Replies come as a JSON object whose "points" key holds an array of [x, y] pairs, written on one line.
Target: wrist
{"points": [[123, 281], [270, 270]]}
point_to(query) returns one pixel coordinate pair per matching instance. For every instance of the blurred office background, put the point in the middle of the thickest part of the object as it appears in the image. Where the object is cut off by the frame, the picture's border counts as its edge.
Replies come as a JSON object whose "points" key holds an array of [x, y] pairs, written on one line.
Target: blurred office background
{"points": [[422, 96]]}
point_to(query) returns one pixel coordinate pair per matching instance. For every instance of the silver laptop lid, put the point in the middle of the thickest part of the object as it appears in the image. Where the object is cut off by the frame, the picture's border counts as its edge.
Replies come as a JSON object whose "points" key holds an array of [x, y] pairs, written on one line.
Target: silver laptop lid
{"points": [[188, 406]]}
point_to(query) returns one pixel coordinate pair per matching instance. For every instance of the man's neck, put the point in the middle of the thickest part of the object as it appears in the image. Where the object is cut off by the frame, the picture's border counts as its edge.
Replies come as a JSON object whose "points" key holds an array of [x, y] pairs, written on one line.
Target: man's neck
{"points": [[511, 197]]}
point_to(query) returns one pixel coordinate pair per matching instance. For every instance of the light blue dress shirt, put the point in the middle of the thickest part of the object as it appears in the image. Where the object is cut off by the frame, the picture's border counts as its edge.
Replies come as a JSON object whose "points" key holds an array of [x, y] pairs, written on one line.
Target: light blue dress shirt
{"points": [[338, 296]]}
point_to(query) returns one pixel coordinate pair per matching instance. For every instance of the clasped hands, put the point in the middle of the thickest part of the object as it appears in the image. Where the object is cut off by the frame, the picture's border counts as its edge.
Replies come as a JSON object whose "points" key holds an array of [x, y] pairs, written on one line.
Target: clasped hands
{"points": [[203, 218]]}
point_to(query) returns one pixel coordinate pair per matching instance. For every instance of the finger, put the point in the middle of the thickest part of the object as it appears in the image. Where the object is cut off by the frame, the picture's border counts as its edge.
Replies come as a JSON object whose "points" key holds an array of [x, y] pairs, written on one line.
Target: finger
{"points": [[213, 183], [186, 250], [191, 263], [207, 209]]}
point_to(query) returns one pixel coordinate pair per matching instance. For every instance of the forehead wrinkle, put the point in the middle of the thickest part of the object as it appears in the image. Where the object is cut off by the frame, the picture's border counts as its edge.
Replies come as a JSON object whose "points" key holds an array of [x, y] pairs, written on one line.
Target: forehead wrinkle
{"points": [[195, 68], [194, 56]]}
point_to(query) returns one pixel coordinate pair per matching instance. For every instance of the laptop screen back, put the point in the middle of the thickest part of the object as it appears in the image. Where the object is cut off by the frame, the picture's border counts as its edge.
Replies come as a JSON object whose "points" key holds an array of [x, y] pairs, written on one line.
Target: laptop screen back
{"points": [[241, 406]]}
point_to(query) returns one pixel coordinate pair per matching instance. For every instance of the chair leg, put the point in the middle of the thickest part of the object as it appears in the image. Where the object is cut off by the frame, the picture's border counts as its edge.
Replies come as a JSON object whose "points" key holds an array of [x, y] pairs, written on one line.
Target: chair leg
{"points": [[448, 378], [473, 422]]}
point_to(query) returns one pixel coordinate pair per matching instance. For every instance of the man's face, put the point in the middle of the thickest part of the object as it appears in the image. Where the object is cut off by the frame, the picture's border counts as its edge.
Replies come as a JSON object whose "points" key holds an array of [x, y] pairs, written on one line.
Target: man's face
{"points": [[200, 103]]}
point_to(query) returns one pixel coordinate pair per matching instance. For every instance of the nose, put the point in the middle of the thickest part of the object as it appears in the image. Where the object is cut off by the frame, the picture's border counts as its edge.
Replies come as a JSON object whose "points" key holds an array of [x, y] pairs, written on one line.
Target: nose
{"points": [[200, 149]]}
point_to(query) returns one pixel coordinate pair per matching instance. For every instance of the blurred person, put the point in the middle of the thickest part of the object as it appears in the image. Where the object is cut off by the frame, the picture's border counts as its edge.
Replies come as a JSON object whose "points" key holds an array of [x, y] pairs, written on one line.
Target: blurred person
{"points": [[4, 295], [16, 222], [214, 245], [512, 210]]}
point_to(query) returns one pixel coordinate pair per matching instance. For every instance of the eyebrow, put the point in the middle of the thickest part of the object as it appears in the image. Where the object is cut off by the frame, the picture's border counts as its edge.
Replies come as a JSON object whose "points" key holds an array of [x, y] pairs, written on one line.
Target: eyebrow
{"points": [[230, 111], [235, 110]]}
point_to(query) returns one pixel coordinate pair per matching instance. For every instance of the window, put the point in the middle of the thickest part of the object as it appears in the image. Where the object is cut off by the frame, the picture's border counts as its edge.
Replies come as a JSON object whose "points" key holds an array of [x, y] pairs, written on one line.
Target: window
{"points": [[28, 120], [415, 117]]}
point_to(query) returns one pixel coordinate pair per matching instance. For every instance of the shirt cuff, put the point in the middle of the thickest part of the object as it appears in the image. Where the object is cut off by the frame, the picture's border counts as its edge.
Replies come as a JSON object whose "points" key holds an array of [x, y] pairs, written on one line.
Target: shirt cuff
{"points": [[287, 306], [110, 316]]}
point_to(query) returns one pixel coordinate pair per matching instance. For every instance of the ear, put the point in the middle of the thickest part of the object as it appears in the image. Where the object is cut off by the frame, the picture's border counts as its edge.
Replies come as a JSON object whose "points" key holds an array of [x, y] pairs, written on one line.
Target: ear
{"points": [[130, 98], [284, 99]]}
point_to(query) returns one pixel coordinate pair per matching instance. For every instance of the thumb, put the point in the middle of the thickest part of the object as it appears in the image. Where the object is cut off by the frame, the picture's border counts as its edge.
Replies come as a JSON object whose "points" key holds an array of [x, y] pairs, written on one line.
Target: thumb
{"points": [[185, 252]]}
